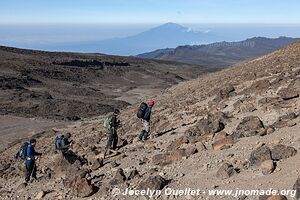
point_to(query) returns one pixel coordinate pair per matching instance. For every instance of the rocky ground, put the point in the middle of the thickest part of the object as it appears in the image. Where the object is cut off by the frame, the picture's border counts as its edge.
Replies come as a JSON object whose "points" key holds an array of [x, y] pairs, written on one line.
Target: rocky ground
{"points": [[237, 128]]}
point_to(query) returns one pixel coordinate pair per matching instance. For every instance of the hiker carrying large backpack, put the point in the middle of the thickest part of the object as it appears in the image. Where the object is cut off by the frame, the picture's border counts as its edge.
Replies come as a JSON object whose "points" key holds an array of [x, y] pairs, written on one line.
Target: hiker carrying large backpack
{"points": [[31, 160], [21, 154], [111, 124], [62, 142], [144, 113]]}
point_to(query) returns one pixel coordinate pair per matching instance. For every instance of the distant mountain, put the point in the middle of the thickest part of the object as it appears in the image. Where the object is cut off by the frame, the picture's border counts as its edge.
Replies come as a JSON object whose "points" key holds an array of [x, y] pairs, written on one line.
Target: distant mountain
{"points": [[221, 54], [164, 36]]}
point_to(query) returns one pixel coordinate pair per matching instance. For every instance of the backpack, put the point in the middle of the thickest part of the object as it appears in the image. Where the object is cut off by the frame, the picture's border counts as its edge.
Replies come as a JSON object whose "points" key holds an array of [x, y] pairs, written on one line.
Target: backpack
{"points": [[142, 110], [107, 121], [58, 141], [23, 151]]}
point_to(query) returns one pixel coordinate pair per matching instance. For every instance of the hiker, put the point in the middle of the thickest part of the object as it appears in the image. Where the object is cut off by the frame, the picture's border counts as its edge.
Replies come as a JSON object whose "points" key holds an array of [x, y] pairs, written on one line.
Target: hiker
{"points": [[31, 160], [112, 124], [63, 142], [144, 113]]}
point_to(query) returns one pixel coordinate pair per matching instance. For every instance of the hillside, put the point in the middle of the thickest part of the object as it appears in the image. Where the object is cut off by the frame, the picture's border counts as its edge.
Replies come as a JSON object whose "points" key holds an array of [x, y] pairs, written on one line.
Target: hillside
{"points": [[221, 54], [70, 86], [237, 128]]}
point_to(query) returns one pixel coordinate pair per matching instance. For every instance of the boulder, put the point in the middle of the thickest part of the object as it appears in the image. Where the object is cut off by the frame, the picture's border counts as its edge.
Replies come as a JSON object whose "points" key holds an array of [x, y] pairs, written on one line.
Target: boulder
{"points": [[178, 143], [282, 152], [226, 171], [81, 187], [133, 174], [284, 120], [260, 155], [267, 167], [259, 86], [172, 156], [214, 123], [226, 92], [64, 169], [153, 183], [249, 126], [119, 177], [222, 141], [40, 195], [97, 164], [296, 187], [288, 93]]}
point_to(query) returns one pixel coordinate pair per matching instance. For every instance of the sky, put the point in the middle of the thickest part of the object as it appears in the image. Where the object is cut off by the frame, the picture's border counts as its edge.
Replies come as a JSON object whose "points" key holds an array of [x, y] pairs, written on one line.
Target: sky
{"points": [[149, 11]]}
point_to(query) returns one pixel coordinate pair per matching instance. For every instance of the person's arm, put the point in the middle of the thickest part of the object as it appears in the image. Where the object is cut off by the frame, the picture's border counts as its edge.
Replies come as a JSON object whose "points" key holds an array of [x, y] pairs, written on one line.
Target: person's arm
{"points": [[147, 114], [113, 122]]}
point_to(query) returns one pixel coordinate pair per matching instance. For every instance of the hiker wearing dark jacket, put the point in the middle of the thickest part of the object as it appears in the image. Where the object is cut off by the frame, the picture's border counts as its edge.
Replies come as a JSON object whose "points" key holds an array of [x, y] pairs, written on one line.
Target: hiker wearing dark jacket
{"points": [[113, 127], [30, 160], [146, 121], [63, 142]]}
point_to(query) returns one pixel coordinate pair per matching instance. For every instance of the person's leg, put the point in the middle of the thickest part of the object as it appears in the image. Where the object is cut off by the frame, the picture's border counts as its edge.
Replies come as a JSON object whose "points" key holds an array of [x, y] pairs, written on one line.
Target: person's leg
{"points": [[115, 140], [34, 169], [110, 139], [28, 171], [146, 129]]}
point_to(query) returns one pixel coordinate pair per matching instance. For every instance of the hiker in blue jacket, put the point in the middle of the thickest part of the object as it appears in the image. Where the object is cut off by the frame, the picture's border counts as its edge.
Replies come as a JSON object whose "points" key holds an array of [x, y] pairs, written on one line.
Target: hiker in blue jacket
{"points": [[30, 160]]}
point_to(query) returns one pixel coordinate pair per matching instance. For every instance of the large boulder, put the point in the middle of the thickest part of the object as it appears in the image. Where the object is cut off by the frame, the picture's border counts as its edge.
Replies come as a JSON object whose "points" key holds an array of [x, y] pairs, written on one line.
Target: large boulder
{"points": [[172, 156], [153, 183], [283, 120], [226, 171], [81, 187], [222, 141], [249, 126], [119, 177], [64, 169], [267, 167], [214, 123], [178, 143], [282, 152], [226, 92], [260, 155], [288, 93]]}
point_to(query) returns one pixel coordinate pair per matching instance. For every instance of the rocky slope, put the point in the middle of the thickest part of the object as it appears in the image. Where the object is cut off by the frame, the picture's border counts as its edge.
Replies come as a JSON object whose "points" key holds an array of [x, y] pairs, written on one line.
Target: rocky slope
{"points": [[237, 128]]}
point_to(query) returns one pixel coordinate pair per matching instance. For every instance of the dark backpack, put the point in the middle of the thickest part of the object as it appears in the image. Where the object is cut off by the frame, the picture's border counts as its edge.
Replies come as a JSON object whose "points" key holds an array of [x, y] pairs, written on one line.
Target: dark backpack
{"points": [[23, 151], [58, 142], [142, 110]]}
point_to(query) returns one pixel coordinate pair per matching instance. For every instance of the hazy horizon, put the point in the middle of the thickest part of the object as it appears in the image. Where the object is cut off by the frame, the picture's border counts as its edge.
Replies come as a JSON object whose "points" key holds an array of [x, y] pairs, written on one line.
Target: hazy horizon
{"points": [[39, 36]]}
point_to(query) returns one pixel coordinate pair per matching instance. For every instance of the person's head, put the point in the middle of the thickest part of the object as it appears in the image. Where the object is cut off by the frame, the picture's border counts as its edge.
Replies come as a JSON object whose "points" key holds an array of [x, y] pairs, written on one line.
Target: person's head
{"points": [[151, 102], [32, 141], [67, 135], [116, 111]]}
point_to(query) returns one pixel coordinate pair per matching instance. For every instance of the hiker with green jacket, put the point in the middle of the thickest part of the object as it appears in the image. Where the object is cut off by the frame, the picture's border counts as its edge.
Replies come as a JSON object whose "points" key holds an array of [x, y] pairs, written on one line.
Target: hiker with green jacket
{"points": [[112, 124]]}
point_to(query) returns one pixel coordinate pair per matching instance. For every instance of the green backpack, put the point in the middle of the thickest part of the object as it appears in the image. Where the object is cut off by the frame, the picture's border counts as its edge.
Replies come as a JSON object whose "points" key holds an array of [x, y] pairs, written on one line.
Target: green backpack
{"points": [[107, 121]]}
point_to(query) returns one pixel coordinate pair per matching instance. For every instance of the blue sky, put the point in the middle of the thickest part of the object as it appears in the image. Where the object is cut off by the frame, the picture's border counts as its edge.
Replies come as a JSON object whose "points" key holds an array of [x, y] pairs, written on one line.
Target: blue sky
{"points": [[149, 11]]}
